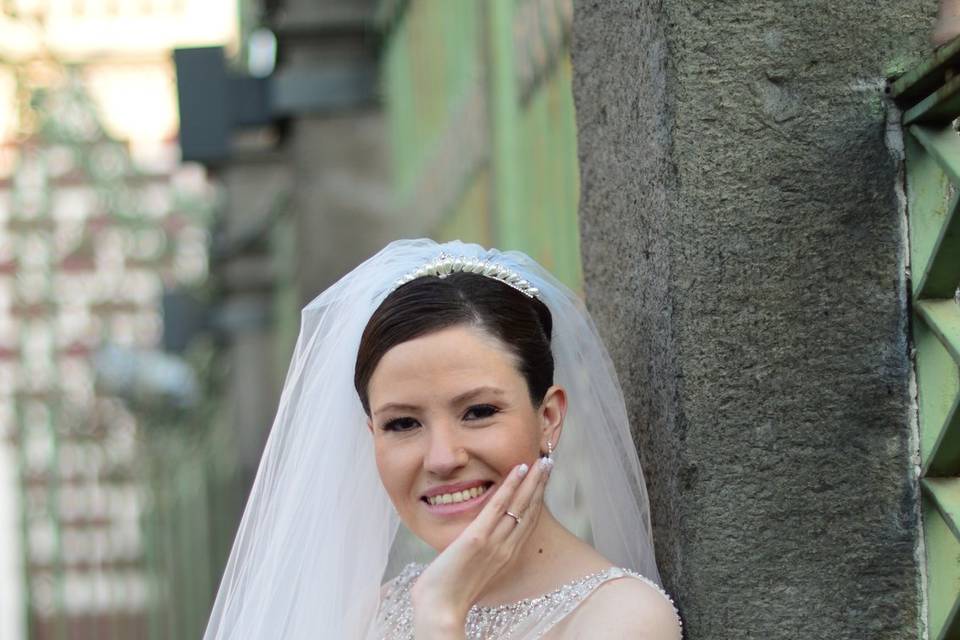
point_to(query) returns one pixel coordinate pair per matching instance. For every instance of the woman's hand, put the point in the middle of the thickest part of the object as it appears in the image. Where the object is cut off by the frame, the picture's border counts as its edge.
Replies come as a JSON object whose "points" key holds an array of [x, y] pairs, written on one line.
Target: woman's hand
{"points": [[445, 591]]}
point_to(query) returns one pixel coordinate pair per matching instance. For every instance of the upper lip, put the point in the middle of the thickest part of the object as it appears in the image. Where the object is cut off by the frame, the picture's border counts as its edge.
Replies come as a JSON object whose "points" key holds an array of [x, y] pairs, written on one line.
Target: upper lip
{"points": [[453, 488]]}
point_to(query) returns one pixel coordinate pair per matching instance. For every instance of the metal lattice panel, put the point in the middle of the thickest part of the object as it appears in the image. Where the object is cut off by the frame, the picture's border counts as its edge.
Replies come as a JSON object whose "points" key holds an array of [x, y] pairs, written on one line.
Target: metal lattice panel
{"points": [[931, 98]]}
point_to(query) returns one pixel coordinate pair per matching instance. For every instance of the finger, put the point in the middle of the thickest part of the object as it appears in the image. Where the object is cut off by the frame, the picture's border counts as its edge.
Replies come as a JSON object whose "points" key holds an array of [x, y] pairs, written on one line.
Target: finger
{"points": [[531, 513], [488, 517], [522, 502], [526, 494]]}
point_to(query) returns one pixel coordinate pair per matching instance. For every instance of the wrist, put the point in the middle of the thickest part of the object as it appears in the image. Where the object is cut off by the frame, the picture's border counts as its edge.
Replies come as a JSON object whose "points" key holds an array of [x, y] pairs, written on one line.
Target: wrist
{"points": [[435, 616], [436, 623]]}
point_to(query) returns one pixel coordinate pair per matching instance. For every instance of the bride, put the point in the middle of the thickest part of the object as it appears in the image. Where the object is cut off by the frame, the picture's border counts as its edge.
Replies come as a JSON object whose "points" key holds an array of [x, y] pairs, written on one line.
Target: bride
{"points": [[484, 413]]}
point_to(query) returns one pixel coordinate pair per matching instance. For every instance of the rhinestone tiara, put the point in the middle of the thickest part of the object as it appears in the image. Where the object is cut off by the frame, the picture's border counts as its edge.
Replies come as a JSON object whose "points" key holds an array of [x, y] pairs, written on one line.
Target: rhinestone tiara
{"points": [[445, 264]]}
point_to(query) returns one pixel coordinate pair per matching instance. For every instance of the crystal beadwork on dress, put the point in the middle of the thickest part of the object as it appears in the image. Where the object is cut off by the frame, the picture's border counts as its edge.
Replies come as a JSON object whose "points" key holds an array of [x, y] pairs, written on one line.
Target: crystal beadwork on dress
{"points": [[500, 622]]}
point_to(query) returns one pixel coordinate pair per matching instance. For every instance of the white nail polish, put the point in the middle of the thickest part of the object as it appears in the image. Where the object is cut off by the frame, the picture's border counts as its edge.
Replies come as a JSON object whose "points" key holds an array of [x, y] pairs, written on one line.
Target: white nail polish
{"points": [[522, 469]]}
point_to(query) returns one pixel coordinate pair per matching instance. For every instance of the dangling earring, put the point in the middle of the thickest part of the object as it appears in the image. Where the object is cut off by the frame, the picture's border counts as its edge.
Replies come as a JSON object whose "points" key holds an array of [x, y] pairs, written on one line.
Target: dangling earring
{"points": [[549, 450]]}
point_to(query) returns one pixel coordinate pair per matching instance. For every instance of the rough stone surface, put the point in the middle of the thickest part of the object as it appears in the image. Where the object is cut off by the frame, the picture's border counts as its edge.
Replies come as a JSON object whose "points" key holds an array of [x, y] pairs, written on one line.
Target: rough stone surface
{"points": [[743, 251]]}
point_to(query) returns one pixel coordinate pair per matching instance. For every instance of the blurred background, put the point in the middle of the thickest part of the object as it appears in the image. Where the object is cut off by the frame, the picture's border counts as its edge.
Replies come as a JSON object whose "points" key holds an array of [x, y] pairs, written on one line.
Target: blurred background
{"points": [[177, 179], [757, 200]]}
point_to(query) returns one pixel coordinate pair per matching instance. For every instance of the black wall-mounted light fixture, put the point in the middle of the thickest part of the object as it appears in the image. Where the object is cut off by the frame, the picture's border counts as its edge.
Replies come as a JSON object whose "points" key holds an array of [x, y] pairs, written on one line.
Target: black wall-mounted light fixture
{"points": [[215, 102]]}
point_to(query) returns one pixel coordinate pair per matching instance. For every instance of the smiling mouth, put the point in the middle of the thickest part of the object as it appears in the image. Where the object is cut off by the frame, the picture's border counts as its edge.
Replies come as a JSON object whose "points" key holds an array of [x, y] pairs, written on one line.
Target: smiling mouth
{"points": [[457, 497]]}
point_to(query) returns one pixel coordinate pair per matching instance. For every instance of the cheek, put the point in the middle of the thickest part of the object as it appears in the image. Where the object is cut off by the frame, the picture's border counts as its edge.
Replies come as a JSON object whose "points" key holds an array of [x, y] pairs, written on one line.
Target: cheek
{"points": [[397, 470], [515, 444]]}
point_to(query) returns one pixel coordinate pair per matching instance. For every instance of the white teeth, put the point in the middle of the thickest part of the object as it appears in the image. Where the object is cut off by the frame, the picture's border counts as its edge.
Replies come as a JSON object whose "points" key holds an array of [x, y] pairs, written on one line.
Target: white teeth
{"points": [[457, 496]]}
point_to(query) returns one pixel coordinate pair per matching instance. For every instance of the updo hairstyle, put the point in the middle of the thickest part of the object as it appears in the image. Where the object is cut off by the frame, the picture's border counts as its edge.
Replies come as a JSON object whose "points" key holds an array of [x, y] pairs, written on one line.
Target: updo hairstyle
{"points": [[428, 304]]}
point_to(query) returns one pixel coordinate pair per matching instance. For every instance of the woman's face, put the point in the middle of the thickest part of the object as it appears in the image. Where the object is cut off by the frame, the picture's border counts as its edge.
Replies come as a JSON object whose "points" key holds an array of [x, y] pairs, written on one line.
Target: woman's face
{"points": [[451, 416]]}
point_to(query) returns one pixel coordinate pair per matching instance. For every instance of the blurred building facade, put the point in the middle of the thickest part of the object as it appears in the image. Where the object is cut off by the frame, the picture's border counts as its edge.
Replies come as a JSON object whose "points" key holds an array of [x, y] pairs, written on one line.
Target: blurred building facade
{"points": [[97, 218]]}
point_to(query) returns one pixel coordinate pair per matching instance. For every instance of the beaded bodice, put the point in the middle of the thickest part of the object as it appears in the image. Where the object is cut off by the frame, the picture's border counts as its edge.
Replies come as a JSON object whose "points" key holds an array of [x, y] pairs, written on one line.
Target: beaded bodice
{"points": [[528, 619]]}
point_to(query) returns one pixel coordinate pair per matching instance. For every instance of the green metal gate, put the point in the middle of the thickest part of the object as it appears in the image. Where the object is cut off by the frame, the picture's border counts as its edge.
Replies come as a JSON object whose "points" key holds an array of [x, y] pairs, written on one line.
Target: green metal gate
{"points": [[930, 96]]}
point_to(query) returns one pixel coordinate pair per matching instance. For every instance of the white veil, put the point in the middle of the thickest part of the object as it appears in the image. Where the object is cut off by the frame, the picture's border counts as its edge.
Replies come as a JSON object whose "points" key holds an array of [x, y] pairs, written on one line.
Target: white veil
{"points": [[310, 553]]}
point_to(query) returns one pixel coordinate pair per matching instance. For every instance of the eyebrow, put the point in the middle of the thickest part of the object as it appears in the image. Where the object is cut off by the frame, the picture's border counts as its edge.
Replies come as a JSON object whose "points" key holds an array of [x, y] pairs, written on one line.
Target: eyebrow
{"points": [[466, 395]]}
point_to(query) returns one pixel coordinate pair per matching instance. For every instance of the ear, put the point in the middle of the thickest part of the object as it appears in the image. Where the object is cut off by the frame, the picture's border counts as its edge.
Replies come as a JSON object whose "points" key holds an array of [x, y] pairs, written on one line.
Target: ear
{"points": [[370, 425], [551, 413]]}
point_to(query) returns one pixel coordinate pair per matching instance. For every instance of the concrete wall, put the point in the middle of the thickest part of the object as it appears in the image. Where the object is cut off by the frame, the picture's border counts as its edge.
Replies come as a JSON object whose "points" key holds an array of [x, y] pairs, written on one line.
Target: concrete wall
{"points": [[743, 248], [342, 196]]}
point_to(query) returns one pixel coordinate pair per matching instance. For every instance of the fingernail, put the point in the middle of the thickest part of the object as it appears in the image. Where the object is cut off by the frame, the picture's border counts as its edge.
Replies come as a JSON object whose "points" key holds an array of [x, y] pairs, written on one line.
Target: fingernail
{"points": [[522, 469]]}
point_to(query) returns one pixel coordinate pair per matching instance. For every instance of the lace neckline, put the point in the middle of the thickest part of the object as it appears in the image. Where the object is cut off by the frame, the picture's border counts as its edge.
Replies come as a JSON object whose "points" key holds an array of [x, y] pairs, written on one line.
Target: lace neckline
{"points": [[528, 618], [556, 594], [588, 582]]}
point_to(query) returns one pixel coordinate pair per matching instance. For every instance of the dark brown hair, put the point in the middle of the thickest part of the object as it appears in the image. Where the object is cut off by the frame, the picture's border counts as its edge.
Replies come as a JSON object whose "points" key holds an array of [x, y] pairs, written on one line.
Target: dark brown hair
{"points": [[429, 304]]}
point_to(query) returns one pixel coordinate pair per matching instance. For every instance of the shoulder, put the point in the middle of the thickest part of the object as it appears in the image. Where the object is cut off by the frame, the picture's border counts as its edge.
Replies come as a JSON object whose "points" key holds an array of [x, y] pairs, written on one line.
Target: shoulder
{"points": [[601, 616]]}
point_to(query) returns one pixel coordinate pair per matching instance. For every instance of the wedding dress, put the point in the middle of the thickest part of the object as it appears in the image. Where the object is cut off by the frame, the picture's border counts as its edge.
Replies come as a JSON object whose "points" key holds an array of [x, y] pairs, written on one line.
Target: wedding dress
{"points": [[527, 619]]}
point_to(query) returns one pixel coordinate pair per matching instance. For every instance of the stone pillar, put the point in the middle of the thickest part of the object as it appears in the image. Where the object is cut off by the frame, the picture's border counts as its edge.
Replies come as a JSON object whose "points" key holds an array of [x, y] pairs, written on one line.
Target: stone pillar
{"points": [[743, 243]]}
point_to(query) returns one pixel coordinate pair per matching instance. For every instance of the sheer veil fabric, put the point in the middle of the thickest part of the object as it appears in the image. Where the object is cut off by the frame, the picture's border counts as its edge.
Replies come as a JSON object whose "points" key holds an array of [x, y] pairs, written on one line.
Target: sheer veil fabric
{"points": [[310, 553]]}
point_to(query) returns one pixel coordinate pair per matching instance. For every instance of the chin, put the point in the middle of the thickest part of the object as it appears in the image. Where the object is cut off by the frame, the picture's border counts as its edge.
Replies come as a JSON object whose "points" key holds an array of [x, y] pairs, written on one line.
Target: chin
{"points": [[440, 540]]}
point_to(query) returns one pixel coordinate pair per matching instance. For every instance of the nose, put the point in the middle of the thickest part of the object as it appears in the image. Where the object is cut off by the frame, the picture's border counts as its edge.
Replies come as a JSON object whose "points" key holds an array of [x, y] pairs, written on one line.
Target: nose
{"points": [[445, 453]]}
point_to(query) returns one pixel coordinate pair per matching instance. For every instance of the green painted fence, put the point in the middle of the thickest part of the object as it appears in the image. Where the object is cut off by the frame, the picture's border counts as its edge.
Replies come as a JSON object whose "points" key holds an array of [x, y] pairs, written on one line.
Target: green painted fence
{"points": [[930, 97]]}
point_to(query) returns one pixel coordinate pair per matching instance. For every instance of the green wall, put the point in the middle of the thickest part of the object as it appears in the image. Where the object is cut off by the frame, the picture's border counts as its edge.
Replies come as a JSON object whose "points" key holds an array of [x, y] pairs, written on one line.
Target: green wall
{"points": [[482, 131]]}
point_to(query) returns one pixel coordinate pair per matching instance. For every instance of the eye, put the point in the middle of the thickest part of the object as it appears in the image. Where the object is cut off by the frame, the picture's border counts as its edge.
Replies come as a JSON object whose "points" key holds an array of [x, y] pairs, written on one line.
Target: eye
{"points": [[400, 424], [481, 411]]}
